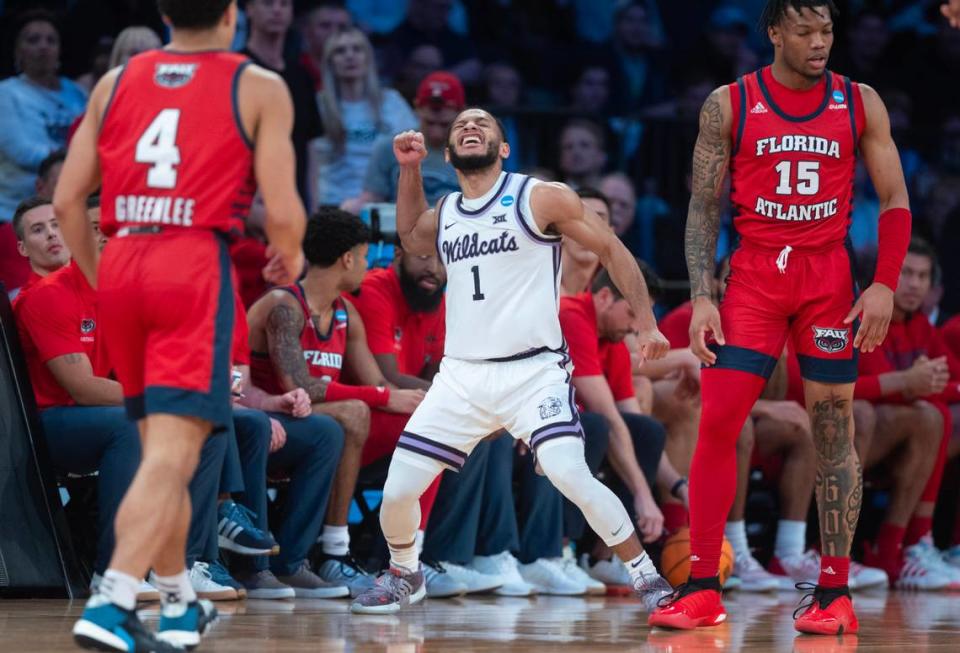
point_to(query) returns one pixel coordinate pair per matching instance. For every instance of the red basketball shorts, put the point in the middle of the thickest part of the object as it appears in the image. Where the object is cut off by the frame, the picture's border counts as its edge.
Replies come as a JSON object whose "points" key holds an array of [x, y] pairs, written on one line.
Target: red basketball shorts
{"points": [[167, 307], [805, 296]]}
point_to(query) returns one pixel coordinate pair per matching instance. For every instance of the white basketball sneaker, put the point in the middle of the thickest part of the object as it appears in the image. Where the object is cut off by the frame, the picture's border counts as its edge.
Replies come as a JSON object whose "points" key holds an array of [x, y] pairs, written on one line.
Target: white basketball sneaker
{"points": [[608, 572], [753, 577], [547, 577], [506, 567]]}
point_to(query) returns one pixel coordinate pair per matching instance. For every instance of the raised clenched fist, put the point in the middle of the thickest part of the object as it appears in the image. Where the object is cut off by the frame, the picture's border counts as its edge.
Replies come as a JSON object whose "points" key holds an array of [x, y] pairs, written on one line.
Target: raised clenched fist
{"points": [[409, 148]]}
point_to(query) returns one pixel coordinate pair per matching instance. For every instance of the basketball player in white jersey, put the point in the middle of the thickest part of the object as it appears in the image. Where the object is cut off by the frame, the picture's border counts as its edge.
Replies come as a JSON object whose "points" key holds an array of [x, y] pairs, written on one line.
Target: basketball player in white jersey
{"points": [[505, 363]]}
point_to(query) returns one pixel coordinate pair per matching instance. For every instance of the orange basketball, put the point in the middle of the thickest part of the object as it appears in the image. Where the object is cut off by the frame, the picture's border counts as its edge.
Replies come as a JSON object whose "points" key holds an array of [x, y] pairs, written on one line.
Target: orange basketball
{"points": [[675, 558]]}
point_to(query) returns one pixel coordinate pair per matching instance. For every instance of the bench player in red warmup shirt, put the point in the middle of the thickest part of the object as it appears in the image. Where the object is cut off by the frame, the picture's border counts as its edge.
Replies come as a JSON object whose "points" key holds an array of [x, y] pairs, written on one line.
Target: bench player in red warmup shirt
{"points": [[178, 139], [790, 133]]}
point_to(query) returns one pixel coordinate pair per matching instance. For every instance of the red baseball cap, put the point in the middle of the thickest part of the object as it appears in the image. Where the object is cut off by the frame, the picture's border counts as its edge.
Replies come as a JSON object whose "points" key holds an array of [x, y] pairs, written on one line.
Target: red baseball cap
{"points": [[441, 89]]}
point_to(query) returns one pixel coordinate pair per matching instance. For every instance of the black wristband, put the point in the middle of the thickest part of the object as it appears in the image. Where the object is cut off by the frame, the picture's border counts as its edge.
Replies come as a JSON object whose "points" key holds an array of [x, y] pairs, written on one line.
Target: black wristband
{"points": [[680, 482]]}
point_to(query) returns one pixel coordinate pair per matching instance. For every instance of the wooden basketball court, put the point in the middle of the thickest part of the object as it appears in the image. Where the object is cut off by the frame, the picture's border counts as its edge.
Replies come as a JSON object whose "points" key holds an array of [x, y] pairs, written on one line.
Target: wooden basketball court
{"points": [[895, 621]]}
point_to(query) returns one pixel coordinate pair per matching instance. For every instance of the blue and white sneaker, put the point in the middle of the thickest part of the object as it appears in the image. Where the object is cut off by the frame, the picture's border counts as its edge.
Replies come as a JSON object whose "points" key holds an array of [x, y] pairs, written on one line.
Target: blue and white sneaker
{"points": [[183, 624], [344, 570], [237, 532], [220, 576], [106, 626]]}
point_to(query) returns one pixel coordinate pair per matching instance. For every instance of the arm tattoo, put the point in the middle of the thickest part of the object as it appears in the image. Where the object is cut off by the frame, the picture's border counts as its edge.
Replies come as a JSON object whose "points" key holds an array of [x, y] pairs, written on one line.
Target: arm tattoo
{"points": [[710, 158], [839, 485], [284, 325]]}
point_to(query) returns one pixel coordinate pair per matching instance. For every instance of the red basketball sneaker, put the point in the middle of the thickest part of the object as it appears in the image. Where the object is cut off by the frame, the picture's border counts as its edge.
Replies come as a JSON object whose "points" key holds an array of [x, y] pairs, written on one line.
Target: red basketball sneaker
{"points": [[694, 604], [830, 612]]}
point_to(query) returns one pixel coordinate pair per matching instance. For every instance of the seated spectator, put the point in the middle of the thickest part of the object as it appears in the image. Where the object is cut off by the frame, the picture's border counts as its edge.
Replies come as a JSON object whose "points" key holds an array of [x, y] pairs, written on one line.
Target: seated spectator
{"points": [[36, 109], [914, 380], [355, 112], [81, 408], [439, 99], [277, 434], [48, 173], [620, 193], [131, 41], [308, 336], [421, 61], [318, 23], [427, 23], [582, 153], [269, 21], [502, 95], [636, 44], [39, 241]]}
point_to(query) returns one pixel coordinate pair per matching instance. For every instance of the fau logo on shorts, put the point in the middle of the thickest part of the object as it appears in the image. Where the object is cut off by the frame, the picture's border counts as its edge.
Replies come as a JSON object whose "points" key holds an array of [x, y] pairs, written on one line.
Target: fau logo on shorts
{"points": [[831, 340], [174, 75]]}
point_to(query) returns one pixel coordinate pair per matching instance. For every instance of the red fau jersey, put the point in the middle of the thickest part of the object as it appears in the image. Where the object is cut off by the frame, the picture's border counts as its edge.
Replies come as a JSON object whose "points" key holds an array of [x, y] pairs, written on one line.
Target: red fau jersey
{"points": [[172, 149], [323, 352], [792, 175]]}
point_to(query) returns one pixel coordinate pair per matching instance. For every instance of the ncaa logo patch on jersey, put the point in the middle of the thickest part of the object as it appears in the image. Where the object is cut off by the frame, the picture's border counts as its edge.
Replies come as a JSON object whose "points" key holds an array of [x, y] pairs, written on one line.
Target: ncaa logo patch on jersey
{"points": [[831, 341], [87, 325], [174, 75], [838, 97], [340, 317], [507, 200]]}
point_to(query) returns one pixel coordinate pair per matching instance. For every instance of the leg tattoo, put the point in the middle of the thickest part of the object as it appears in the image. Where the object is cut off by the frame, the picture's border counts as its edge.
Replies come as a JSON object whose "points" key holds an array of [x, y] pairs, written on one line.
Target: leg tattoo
{"points": [[839, 486]]}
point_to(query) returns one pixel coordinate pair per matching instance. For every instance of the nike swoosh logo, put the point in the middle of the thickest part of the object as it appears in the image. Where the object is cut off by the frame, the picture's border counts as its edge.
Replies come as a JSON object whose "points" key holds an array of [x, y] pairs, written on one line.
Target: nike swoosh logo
{"points": [[447, 226], [636, 564], [618, 530]]}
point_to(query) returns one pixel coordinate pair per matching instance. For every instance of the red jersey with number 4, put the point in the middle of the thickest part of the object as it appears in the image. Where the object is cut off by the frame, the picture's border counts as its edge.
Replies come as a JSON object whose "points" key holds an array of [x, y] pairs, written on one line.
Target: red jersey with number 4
{"points": [[323, 352], [172, 149], [793, 158]]}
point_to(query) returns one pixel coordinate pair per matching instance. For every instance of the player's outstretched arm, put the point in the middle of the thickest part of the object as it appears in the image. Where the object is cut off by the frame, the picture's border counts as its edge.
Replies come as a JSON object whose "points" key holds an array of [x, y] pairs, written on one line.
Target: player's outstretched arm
{"points": [[79, 178], [882, 161], [569, 216], [264, 96], [711, 155], [416, 221]]}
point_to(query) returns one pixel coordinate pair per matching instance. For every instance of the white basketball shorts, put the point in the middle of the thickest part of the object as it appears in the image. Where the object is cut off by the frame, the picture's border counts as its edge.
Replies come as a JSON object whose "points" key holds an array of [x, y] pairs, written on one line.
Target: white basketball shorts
{"points": [[531, 398]]}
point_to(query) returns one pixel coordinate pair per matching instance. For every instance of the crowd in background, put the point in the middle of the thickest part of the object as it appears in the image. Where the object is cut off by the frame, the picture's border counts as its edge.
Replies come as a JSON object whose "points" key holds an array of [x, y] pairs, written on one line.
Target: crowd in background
{"points": [[625, 100]]}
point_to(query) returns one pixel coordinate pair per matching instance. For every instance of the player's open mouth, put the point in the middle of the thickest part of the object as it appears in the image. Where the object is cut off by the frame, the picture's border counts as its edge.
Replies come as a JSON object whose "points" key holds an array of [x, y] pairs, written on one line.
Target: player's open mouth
{"points": [[817, 61], [471, 139]]}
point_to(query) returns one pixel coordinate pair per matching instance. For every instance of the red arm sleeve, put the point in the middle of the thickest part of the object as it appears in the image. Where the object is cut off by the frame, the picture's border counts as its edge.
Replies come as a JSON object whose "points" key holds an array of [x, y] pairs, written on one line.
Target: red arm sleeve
{"points": [[581, 336]]}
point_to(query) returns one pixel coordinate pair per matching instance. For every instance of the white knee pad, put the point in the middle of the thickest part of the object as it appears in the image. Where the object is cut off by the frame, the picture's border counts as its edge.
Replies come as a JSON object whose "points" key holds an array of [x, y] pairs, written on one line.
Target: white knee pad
{"points": [[563, 462], [400, 511]]}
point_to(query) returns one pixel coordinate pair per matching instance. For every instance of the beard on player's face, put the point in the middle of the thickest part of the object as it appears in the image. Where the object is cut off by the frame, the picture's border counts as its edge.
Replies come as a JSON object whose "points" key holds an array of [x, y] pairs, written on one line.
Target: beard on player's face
{"points": [[419, 298], [474, 162]]}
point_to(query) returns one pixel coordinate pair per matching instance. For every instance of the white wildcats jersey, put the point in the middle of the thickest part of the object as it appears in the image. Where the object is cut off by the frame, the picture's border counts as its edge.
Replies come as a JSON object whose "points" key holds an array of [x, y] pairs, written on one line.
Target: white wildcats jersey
{"points": [[503, 274]]}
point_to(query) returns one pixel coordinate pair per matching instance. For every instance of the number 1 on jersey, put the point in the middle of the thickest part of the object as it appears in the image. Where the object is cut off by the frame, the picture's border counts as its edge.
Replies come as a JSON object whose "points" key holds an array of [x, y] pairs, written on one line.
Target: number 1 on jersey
{"points": [[477, 295], [158, 145]]}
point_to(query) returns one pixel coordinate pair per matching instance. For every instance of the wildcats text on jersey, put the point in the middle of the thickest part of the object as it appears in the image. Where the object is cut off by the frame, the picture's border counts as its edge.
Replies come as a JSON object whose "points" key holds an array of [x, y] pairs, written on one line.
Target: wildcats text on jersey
{"points": [[150, 209], [798, 143], [470, 246]]}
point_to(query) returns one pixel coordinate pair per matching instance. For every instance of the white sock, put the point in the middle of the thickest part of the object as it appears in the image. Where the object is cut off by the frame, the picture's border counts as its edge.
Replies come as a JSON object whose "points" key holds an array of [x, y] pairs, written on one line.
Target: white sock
{"points": [[406, 558], [418, 541], [791, 537], [119, 588], [736, 532], [640, 566], [335, 540], [175, 589]]}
